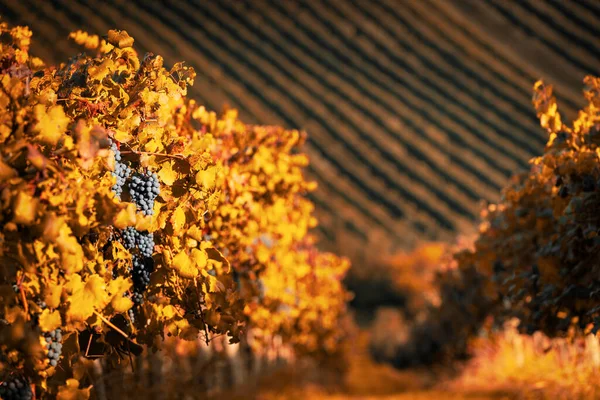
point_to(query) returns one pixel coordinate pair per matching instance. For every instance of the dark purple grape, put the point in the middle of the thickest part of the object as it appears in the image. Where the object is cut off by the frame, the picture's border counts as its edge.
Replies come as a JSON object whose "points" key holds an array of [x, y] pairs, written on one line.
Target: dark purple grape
{"points": [[121, 172], [144, 188], [54, 346], [16, 389]]}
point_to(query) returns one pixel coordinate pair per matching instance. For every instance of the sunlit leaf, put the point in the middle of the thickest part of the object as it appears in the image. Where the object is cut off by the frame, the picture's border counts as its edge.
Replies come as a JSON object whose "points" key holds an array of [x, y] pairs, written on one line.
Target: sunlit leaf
{"points": [[50, 320]]}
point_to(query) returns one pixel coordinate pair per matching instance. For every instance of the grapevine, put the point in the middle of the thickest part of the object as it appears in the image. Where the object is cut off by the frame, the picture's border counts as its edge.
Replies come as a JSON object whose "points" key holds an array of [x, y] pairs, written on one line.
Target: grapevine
{"points": [[129, 212], [535, 258], [538, 246]]}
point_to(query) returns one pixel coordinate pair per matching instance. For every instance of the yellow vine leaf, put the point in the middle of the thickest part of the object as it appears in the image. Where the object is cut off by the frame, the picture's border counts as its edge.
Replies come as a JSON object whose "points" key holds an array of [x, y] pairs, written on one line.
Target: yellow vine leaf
{"points": [[52, 123], [52, 295], [71, 391], [120, 39], [101, 71], [183, 264], [178, 220], [200, 258], [121, 304], [50, 320], [86, 297], [86, 40], [166, 173], [116, 288], [207, 178], [213, 284], [217, 256], [168, 312], [145, 223], [195, 233], [212, 317], [122, 136], [25, 208], [126, 217], [36, 158], [89, 141], [119, 285]]}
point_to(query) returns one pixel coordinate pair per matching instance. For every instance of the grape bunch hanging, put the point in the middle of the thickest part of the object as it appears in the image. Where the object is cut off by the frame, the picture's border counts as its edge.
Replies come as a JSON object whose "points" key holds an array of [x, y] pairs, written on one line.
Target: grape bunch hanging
{"points": [[16, 389], [121, 172], [54, 346], [143, 188]]}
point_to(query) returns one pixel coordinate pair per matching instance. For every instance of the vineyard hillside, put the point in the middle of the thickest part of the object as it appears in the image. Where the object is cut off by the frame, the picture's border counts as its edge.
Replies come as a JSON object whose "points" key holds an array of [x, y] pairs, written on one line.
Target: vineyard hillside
{"points": [[417, 110]]}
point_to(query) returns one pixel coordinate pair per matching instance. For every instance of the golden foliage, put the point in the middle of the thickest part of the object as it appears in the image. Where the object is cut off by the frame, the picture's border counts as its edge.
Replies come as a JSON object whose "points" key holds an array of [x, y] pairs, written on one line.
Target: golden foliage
{"points": [[532, 366], [415, 273], [231, 223], [538, 245], [535, 257]]}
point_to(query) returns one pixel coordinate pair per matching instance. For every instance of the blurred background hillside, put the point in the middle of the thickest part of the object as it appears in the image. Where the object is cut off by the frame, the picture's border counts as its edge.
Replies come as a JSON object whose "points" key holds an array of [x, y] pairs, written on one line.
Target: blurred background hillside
{"points": [[416, 110]]}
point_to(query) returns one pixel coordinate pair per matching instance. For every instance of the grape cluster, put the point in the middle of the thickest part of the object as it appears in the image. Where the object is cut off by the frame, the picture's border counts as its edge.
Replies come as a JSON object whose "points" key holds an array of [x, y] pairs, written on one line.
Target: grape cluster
{"points": [[131, 314], [138, 298], [121, 172], [142, 268], [143, 189], [129, 237], [54, 346], [143, 241], [142, 262], [16, 389]]}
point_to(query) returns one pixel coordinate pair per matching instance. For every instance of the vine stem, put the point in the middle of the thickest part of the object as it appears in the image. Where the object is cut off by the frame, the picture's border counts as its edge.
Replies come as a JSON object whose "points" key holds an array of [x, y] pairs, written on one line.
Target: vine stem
{"points": [[107, 322], [24, 300], [202, 314], [88, 345]]}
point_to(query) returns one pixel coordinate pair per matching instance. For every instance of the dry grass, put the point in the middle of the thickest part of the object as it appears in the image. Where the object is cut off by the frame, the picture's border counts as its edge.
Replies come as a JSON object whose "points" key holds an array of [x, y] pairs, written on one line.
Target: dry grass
{"points": [[534, 367], [505, 366], [366, 379]]}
